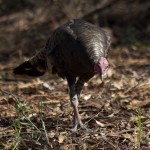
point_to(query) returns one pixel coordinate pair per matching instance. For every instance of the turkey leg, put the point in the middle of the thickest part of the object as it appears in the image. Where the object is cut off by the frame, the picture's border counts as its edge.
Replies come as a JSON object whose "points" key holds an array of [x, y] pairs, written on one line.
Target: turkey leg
{"points": [[74, 102]]}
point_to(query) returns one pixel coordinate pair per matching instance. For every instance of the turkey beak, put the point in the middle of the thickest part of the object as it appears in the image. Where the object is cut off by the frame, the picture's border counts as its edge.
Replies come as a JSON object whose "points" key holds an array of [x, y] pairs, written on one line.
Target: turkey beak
{"points": [[103, 74]]}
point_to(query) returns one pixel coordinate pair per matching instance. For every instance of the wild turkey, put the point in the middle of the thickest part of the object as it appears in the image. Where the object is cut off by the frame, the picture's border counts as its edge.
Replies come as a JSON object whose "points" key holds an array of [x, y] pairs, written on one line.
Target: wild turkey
{"points": [[77, 49]]}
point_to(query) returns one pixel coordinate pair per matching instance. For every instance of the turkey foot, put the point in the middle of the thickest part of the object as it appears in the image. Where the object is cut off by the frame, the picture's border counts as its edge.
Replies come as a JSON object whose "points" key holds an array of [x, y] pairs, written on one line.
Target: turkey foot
{"points": [[77, 118], [77, 122]]}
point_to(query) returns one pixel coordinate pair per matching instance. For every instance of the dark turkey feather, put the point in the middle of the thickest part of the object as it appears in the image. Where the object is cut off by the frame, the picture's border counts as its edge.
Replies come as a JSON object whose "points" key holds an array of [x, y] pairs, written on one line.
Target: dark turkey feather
{"points": [[35, 67], [75, 49], [95, 40]]}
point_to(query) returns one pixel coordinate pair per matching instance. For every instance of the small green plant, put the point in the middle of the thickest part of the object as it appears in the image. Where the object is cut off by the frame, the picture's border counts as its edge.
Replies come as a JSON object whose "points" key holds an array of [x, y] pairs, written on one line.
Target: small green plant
{"points": [[21, 108], [140, 134], [26, 124], [41, 106], [24, 121], [16, 126]]}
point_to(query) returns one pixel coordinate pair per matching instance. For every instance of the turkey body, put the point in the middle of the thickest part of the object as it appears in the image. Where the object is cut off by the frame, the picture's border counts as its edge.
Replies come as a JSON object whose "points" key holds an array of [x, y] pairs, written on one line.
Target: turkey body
{"points": [[76, 49]]}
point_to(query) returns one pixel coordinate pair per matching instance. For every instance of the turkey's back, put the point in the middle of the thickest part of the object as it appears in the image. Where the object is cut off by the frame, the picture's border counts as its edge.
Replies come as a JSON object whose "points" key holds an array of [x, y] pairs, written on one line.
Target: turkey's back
{"points": [[75, 47]]}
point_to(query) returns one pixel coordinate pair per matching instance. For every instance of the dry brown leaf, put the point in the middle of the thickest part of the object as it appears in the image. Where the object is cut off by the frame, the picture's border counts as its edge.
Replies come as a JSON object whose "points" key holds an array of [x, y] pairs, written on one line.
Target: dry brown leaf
{"points": [[136, 103], [87, 97], [110, 72], [100, 124], [64, 147], [133, 81], [94, 103], [107, 106], [41, 92], [61, 138], [51, 101], [118, 85], [51, 134], [57, 110], [53, 113], [111, 115], [22, 85], [127, 136], [47, 86]]}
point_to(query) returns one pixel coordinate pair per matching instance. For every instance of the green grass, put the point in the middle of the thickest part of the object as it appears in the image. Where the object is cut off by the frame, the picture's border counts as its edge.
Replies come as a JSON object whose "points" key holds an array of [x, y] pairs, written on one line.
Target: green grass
{"points": [[23, 127], [141, 136]]}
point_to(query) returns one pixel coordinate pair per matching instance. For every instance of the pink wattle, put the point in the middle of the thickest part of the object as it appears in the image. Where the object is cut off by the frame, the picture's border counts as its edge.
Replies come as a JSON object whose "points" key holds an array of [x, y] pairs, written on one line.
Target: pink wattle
{"points": [[102, 65]]}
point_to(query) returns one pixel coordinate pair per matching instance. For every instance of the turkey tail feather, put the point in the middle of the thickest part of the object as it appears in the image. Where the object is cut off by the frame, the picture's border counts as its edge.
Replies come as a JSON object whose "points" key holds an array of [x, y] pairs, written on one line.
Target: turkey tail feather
{"points": [[27, 68], [34, 67]]}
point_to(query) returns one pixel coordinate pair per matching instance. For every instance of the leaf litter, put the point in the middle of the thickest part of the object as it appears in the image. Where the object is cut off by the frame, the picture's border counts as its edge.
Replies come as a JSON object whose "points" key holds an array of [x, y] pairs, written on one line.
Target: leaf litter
{"points": [[108, 108]]}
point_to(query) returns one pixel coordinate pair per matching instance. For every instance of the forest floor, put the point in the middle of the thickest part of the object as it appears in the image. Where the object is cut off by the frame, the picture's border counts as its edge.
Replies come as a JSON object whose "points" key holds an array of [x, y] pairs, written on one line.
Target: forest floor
{"points": [[116, 110], [36, 113]]}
